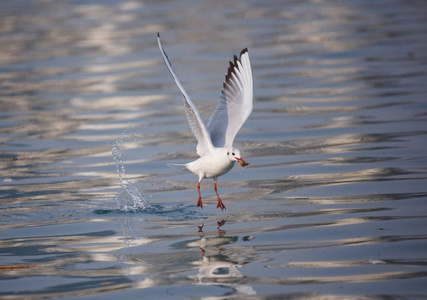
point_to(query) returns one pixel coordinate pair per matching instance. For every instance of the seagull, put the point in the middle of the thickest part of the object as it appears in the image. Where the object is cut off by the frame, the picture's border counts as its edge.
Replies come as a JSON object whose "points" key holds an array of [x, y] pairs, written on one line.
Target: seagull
{"points": [[215, 141]]}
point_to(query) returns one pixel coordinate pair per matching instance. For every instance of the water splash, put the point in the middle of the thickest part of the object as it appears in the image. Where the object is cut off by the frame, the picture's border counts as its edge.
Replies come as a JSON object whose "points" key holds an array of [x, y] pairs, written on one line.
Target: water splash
{"points": [[129, 198]]}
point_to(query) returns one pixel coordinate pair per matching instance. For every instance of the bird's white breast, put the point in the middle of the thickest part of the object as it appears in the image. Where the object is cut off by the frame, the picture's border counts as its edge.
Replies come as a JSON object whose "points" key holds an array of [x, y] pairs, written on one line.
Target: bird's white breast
{"points": [[212, 165]]}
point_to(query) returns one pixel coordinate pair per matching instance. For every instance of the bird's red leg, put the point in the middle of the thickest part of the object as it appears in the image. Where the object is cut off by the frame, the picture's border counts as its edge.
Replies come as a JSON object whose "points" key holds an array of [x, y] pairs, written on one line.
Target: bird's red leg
{"points": [[199, 202], [220, 204]]}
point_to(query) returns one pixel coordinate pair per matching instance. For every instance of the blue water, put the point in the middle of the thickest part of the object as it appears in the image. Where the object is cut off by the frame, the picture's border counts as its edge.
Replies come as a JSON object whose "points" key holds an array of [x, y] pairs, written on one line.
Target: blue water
{"points": [[333, 204]]}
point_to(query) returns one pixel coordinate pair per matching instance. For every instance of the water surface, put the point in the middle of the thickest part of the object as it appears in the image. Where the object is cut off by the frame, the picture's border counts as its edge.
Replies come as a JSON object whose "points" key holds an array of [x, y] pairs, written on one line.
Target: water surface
{"points": [[332, 205]]}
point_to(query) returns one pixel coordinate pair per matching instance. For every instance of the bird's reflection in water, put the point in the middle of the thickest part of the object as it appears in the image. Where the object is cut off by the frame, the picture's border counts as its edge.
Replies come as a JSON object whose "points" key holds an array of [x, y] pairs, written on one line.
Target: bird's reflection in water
{"points": [[215, 266]]}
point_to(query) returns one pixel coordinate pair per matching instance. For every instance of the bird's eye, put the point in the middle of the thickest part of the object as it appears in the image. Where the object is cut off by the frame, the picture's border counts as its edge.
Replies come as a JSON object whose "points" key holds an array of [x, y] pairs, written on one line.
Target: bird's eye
{"points": [[233, 154], [228, 153]]}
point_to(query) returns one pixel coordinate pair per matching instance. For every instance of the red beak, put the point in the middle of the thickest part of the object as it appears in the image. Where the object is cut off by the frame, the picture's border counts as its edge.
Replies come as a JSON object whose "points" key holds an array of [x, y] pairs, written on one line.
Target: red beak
{"points": [[242, 162]]}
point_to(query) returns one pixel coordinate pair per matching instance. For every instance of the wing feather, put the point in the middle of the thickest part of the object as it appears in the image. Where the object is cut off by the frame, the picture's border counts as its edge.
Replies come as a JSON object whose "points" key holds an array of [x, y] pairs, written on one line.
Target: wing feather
{"points": [[196, 123], [235, 102]]}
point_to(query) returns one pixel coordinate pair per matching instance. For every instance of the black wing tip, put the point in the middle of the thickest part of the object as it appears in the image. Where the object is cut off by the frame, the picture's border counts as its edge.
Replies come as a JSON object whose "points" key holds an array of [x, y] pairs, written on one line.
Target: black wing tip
{"points": [[235, 60], [163, 51], [245, 50], [232, 65]]}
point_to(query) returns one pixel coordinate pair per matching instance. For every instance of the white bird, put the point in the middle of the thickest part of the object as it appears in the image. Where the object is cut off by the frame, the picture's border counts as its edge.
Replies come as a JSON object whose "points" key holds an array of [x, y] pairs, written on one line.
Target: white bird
{"points": [[215, 142]]}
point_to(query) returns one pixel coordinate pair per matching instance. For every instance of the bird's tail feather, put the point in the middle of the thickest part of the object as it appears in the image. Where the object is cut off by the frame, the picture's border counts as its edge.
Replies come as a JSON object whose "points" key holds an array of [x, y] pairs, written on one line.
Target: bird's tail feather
{"points": [[181, 167]]}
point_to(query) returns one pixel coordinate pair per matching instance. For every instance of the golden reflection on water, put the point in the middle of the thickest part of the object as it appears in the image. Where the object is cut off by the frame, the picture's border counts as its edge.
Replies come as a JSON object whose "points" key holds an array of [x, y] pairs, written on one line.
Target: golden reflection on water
{"points": [[91, 248], [218, 262]]}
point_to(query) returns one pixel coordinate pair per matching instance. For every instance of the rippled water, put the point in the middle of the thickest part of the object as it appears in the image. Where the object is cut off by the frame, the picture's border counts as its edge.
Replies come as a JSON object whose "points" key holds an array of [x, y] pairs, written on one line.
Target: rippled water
{"points": [[333, 203]]}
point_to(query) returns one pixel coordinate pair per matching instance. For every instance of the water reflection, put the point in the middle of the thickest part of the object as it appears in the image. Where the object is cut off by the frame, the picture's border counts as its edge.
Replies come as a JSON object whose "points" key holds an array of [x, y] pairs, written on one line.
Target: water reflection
{"points": [[332, 204], [216, 267]]}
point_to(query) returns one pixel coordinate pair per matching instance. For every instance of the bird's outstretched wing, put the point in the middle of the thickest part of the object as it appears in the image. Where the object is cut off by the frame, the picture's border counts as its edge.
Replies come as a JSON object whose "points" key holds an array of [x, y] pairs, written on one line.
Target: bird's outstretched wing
{"points": [[235, 102], [197, 125]]}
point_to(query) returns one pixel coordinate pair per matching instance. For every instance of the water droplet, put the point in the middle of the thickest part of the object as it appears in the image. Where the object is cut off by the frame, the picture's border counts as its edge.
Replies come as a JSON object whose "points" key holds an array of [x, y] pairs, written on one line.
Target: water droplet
{"points": [[129, 198]]}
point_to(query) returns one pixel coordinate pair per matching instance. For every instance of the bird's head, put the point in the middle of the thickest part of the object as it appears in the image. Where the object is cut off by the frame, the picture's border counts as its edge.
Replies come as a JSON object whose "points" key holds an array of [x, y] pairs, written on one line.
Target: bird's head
{"points": [[234, 155]]}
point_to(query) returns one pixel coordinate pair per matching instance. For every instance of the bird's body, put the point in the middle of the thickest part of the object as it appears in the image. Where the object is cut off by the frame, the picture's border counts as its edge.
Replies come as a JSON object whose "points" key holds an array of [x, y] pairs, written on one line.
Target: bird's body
{"points": [[217, 155], [211, 166]]}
